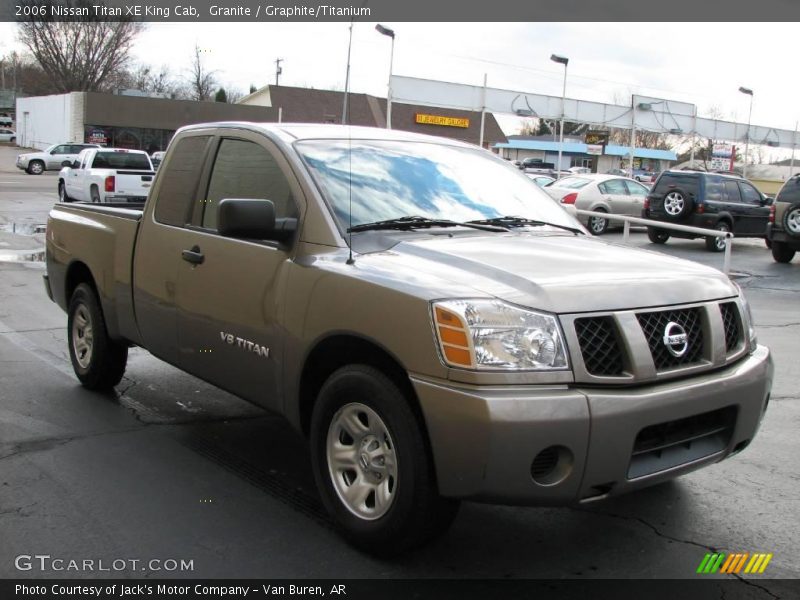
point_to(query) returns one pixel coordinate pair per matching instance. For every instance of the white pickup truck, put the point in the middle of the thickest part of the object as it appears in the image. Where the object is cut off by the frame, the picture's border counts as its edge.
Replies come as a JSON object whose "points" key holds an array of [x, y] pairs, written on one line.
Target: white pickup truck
{"points": [[106, 175]]}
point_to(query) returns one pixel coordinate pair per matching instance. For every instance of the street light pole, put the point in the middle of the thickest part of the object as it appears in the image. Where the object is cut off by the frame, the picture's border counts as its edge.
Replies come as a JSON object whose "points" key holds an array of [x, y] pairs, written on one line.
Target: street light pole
{"points": [[390, 33], [564, 61], [749, 92]]}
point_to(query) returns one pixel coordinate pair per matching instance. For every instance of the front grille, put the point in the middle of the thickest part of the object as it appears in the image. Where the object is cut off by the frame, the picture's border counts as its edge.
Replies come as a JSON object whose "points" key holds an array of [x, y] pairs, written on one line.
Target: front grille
{"points": [[667, 445], [731, 324], [654, 326], [599, 345]]}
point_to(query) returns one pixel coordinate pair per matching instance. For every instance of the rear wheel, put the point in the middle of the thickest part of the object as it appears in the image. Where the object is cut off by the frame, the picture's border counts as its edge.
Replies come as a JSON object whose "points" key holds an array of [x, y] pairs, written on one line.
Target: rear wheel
{"points": [[35, 167], [598, 225], [657, 236], [95, 194], [98, 361], [717, 243], [372, 465], [782, 252]]}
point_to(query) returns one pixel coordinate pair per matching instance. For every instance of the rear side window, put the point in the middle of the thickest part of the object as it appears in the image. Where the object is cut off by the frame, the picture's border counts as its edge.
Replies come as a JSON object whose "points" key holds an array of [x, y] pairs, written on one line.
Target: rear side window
{"points": [[614, 186], [714, 189], [790, 192], [669, 181], [179, 183], [732, 192], [121, 160], [244, 169], [749, 194]]}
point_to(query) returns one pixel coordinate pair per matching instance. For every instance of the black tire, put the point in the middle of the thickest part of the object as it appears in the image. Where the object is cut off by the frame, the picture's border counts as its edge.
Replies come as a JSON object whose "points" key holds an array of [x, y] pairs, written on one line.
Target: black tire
{"points": [[62, 193], [657, 236], [677, 204], [415, 513], [791, 220], [35, 167], [95, 194], [715, 243], [597, 225], [768, 243], [13, 140], [101, 366], [782, 252]]}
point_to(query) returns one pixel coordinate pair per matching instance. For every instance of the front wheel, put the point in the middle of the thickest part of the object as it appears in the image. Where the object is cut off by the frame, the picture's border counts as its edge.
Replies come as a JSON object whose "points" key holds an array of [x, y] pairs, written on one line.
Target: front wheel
{"points": [[598, 225], [657, 236], [782, 252], [98, 361], [62, 193], [372, 466], [717, 243], [35, 167]]}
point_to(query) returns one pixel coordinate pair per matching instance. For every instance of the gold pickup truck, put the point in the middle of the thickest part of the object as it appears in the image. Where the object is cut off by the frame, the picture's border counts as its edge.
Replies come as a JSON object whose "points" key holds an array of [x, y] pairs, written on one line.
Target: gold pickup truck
{"points": [[436, 325]]}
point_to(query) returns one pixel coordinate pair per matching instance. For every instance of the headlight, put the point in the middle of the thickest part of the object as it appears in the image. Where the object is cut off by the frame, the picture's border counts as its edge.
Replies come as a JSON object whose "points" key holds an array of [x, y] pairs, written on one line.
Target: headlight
{"points": [[491, 335], [748, 318]]}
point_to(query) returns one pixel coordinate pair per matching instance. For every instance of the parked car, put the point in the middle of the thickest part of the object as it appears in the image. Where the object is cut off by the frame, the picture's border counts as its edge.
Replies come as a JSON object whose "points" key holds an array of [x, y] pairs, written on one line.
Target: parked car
{"points": [[535, 163], [7, 135], [106, 175], [707, 200], [506, 356], [36, 163], [540, 180], [783, 230], [156, 158], [579, 170], [600, 193], [643, 176], [6, 121], [618, 172]]}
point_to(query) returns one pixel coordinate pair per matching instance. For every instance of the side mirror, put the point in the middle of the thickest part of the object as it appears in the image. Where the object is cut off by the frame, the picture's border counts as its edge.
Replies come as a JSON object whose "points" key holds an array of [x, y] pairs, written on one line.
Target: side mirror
{"points": [[252, 220], [768, 201], [66, 163]]}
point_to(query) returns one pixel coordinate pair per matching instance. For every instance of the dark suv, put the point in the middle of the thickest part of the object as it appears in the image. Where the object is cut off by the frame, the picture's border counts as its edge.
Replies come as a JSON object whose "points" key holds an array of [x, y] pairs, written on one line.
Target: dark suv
{"points": [[707, 200], [783, 230]]}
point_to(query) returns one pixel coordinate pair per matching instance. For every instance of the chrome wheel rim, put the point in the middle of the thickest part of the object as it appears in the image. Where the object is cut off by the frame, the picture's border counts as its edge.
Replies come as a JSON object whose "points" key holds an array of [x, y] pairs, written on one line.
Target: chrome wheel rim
{"points": [[673, 203], [793, 221], [37, 168], [720, 241], [62, 193], [361, 461], [82, 336], [597, 224]]}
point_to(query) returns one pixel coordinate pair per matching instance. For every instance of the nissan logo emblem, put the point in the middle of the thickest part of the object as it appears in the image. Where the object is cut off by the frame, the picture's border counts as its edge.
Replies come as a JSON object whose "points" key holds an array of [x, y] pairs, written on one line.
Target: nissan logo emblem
{"points": [[676, 339]]}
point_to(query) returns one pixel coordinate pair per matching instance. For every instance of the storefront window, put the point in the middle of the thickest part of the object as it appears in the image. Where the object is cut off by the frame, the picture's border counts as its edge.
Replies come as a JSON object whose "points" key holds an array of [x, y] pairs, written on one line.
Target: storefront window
{"points": [[133, 138]]}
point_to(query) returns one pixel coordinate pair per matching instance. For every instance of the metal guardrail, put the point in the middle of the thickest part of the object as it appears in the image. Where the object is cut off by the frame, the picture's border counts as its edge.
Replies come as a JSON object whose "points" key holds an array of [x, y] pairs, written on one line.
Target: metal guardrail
{"points": [[726, 261]]}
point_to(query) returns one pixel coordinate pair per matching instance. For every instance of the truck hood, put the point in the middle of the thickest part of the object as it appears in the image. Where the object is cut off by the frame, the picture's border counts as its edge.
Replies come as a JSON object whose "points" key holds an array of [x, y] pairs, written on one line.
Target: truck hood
{"points": [[556, 273]]}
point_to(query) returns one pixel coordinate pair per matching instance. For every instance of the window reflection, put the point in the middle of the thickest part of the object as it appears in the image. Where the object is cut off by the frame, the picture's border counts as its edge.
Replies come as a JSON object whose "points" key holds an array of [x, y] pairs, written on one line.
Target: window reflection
{"points": [[391, 179]]}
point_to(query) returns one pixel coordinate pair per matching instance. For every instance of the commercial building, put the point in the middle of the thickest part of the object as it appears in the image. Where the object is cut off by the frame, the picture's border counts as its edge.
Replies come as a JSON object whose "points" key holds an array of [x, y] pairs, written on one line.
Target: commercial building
{"points": [[146, 123], [575, 153]]}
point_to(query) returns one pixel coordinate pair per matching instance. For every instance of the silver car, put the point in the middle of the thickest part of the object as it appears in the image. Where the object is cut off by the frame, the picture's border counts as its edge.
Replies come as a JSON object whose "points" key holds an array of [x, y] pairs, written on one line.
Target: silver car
{"points": [[52, 159], [600, 193], [7, 135]]}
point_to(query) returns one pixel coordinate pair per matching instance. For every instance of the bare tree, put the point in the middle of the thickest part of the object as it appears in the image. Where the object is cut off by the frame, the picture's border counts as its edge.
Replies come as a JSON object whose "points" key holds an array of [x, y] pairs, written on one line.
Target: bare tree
{"points": [[82, 55], [202, 81], [159, 82]]}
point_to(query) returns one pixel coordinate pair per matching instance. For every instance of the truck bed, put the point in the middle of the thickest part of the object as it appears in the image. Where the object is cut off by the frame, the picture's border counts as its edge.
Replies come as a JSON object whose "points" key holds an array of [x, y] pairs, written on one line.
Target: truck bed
{"points": [[100, 238]]}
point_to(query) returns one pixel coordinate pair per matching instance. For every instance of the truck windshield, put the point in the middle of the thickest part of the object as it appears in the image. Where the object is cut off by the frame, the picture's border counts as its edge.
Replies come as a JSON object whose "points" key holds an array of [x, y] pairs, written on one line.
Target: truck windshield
{"points": [[395, 179]]}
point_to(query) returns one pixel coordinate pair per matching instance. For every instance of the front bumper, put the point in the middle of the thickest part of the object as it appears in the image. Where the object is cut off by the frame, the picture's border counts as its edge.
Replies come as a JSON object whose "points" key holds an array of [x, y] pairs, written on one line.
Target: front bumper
{"points": [[484, 439], [22, 164]]}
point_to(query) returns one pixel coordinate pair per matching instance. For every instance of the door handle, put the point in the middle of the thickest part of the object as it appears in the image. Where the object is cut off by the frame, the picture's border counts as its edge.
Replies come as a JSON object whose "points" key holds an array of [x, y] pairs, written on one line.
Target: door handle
{"points": [[193, 256]]}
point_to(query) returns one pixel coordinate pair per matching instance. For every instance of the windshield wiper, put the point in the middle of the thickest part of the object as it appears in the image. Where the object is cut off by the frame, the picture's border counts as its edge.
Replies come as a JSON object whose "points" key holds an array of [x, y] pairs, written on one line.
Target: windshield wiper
{"points": [[416, 222], [510, 221]]}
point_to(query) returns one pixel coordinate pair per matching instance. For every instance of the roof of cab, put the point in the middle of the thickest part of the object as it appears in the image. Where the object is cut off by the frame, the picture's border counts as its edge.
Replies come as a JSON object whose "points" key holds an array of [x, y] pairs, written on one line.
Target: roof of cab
{"points": [[290, 132]]}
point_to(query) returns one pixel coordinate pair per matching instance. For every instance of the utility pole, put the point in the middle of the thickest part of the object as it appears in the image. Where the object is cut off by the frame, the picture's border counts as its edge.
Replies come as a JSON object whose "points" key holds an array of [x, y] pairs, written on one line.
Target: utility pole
{"points": [[278, 69]]}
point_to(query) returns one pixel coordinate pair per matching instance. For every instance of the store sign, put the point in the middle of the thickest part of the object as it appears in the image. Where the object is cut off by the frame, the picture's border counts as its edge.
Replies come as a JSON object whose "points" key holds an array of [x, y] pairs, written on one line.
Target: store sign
{"points": [[595, 149], [424, 119], [722, 155], [596, 138], [96, 136]]}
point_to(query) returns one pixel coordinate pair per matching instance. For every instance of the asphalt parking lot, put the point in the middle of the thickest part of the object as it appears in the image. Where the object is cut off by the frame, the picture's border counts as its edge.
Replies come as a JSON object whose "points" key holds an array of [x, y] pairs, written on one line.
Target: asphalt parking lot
{"points": [[170, 468]]}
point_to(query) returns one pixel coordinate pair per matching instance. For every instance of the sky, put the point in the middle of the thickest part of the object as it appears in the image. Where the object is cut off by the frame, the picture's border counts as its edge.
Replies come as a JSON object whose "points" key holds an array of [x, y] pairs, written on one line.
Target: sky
{"points": [[701, 63]]}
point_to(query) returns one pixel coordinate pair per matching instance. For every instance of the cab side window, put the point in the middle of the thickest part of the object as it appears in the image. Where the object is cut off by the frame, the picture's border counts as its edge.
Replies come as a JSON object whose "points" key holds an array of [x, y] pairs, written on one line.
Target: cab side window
{"points": [[243, 169], [178, 186]]}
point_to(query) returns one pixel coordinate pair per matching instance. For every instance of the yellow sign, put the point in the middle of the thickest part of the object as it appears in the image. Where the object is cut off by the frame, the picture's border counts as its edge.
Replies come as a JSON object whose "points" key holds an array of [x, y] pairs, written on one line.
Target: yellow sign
{"points": [[439, 120]]}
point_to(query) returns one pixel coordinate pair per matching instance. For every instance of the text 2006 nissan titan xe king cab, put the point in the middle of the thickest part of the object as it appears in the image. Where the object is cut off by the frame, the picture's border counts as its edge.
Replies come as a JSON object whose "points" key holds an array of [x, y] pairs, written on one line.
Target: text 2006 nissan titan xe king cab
{"points": [[475, 344]]}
